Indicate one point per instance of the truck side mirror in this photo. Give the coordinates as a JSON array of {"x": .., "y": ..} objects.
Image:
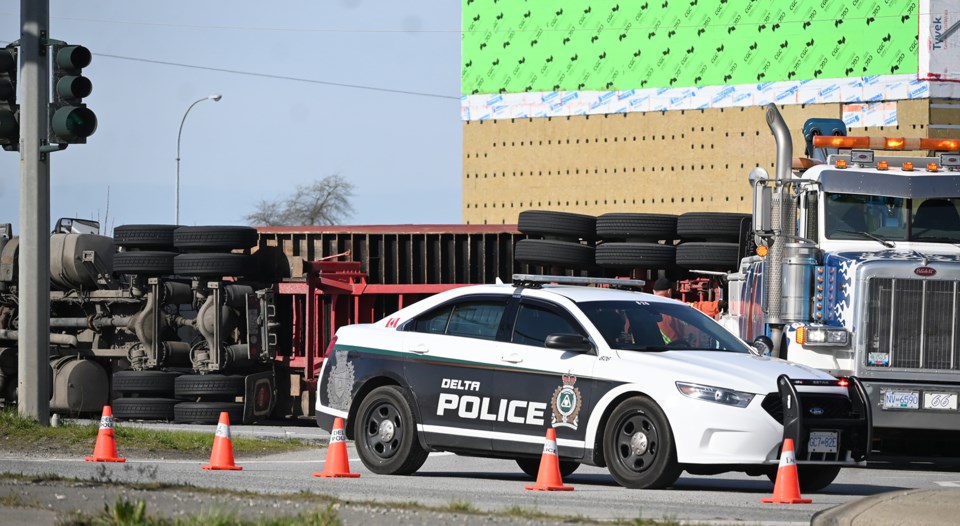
[
  {"x": 762, "y": 196},
  {"x": 762, "y": 345}
]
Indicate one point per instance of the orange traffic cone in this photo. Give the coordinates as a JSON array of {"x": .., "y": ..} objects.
[
  {"x": 337, "y": 464},
  {"x": 548, "y": 478},
  {"x": 786, "y": 490},
  {"x": 222, "y": 455},
  {"x": 106, "y": 448}
]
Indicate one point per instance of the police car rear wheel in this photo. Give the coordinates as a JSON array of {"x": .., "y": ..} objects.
[
  {"x": 386, "y": 433},
  {"x": 638, "y": 446},
  {"x": 531, "y": 466}
]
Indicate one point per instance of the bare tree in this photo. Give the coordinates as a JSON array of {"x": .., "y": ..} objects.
[{"x": 324, "y": 202}]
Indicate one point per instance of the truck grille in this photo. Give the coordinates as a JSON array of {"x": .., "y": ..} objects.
[
  {"x": 814, "y": 406},
  {"x": 912, "y": 323}
]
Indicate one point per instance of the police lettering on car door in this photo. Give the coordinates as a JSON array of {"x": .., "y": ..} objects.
[{"x": 474, "y": 407}]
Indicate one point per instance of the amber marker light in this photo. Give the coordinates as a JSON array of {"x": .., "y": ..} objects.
[
  {"x": 907, "y": 166},
  {"x": 841, "y": 163},
  {"x": 882, "y": 165},
  {"x": 762, "y": 251},
  {"x": 932, "y": 167},
  {"x": 801, "y": 335}
]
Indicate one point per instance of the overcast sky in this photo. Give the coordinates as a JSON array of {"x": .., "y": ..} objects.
[{"x": 368, "y": 89}]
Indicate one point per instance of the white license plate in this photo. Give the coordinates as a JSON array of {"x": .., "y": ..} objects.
[
  {"x": 822, "y": 442},
  {"x": 940, "y": 401},
  {"x": 901, "y": 399}
]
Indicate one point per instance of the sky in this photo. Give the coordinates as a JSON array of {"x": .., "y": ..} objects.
[{"x": 368, "y": 89}]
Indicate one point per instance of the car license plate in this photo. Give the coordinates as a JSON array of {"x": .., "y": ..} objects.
[
  {"x": 940, "y": 401},
  {"x": 901, "y": 400},
  {"x": 822, "y": 442}
]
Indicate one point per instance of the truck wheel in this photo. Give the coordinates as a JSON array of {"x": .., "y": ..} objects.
[
  {"x": 386, "y": 433},
  {"x": 207, "y": 412},
  {"x": 637, "y": 227},
  {"x": 146, "y": 263},
  {"x": 212, "y": 265},
  {"x": 144, "y": 408},
  {"x": 549, "y": 252},
  {"x": 531, "y": 466},
  {"x": 708, "y": 256},
  {"x": 157, "y": 383},
  {"x": 215, "y": 238},
  {"x": 632, "y": 255},
  {"x": 192, "y": 386},
  {"x": 812, "y": 478},
  {"x": 711, "y": 226},
  {"x": 559, "y": 224},
  {"x": 156, "y": 237},
  {"x": 638, "y": 446}
]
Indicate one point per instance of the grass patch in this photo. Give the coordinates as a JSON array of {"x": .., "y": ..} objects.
[{"x": 134, "y": 513}]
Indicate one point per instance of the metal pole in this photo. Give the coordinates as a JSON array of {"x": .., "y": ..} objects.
[
  {"x": 33, "y": 359},
  {"x": 215, "y": 97}
]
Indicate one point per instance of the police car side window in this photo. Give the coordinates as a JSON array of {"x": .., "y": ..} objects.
[
  {"x": 434, "y": 322},
  {"x": 535, "y": 323},
  {"x": 476, "y": 319}
]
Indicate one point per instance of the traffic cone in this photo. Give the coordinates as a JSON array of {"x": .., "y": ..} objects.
[
  {"x": 106, "y": 448},
  {"x": 548, "y": 478},
  {"x": 337, "y": 465},
  {"x": 786, "y": 490},
  {"x": 222, "y": 455}
]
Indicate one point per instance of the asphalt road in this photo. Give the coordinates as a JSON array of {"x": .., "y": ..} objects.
[{"x": 487, "y": 485}]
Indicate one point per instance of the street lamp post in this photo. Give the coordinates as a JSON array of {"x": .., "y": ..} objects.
[{"x": 215, "y": 97}]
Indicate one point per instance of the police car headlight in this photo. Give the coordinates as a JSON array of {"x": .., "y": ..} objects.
[{"x": 715, "y": 394}]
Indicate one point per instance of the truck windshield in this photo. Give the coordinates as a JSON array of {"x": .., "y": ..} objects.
[
  {"x": 658, "y": 326},
  {"x": 884, "y": 219}
]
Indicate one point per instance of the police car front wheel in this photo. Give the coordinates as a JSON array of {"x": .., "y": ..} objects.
[
  {"x": 638, "y": 446},
  {"x": 386, "y": 433}
]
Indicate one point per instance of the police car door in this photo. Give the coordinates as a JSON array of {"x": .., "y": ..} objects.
[
  {"x": 544, "y": 387},
  {"x": 449, "y": 353}
]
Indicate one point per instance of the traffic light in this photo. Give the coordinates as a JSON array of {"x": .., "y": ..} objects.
[
  {"x": 71, "y": 122},
  {"x": 9, "y": 110}
]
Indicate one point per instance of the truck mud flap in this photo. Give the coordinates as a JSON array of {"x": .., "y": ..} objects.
[
  {"x": 260, "y": 396},
  {"x": 852, "y": 430}
]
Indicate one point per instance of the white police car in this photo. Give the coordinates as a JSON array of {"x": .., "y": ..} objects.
[{"x": 484, "y": 370}]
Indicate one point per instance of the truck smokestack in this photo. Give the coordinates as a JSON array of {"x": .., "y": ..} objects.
[{"x": 774, "y": 268}]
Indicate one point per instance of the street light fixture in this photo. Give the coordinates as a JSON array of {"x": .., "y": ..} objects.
[{"x": 215, "y": 97}]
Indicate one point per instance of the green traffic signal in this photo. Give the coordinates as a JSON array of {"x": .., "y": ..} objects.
[{"x": 73, "y": 123}]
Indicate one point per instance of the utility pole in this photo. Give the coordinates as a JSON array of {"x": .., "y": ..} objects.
[{"x": 33, "y": 359}]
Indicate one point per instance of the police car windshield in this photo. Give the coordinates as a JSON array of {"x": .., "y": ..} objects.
[{"x": 658, "y": 326}]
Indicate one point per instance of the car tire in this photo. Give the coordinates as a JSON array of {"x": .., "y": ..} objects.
[
  {"x": 812, "y": 478},
  {"x": 144, "y": 408},
  {"x": 708, "y": 256},
  {"x": 638, "y": 421},
  {"x": 531, "y": 466},
  {"x": 154, "y": 237},
  {"x": 633, "y": 255},
  {"x": 637, "y": 227},
  {"x": 144, "y": 262},
  {"x": 385, "y": 433},
  {"x": 194, "y": 386},
  {"x": 212, "y": 265},
  {"x": 207, "y": 412},
  {"x": 156, "y": 383},
  {"x": 564, "y": 225},
  {"x": 214, "y": 238},
  {"x": 711, "y": 226},
  {"x": 554, "y": 253}
]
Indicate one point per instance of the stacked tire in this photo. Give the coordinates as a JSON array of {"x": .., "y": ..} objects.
[
  {"x": 556, "y": 239},
  {"x": 144, "y": 395},
  {"x": 636, "y": 241},
  {"x": 204, "y": 396},
  {"x": 711, "y": 240}
]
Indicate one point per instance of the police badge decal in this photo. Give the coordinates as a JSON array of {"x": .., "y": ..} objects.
[
  {"x": 340, "y": 383},
  {"x": 566, "y": 403}
]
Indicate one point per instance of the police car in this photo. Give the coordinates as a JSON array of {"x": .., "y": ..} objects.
[{"x": 484, "y": 371}]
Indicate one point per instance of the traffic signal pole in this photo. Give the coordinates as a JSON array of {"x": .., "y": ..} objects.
[{"x": 33, "y": 357}]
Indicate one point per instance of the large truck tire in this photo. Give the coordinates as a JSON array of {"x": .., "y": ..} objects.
[
  {"x": 144, "y": 408},
  {"x": 554, "y": 253},
  {"x": 207, "y": 412},
  {"x": 634, "y": 255},
  {"x": 156, "y": 383},
  {"x": 711, "y": 226},
  {"x": 155, "y": 237},
  {"x": 558, "y": 224},
  {"x": 193, "y": 386},
  {"x": 708, "y": 256},
  {"x": 213, "y": 265},
  {"x": 637, "y": 227},
  {"x": 144, "y": 262},
  {"x": 215, "y": 238}
]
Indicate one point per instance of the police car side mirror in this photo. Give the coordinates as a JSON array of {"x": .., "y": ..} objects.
[{"x": 568, "y": 342}]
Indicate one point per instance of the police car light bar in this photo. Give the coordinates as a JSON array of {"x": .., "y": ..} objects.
[{"x": 522, "y": 280}]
